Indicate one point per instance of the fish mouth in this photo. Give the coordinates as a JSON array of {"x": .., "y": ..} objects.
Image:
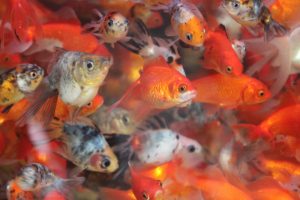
[{"x": 185, "y": 99}]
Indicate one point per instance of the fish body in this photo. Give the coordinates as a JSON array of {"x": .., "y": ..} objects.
[
  {"x": 16, "y": 83},
  {"x": 253, "y": 13},
  {"x": 109, "y": 28},
  {"x": 159, "y": 87},
  {"x": 219, "y": 54},
  {"x": 188, "y": 23},
  {"x": 86, "y": 147},
  {"x": 228, "y": 91}
]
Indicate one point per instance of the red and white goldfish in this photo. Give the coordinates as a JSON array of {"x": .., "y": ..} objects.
[
  {"x": 219, "y": 54},
  {"x": 159, "y": 87},
  {"x": 229, "y": 91}
]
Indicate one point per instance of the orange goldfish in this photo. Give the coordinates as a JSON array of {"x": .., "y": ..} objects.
[
  {"x": 152, "y": 19},
  {"x": 229, "y": 91},
  {"x": 159, "y": 87},
  {"x": 263, "y": 188},
  {"x": 219, "y": 54},
  {"x": 9, "y": 60},
  {"x": 67, "y": 36},
  {"x": 286, "y": 12},
  {"x": 14, "y": 15},
  {"x": 144, "y": 187},
  {"x": 285, "y": 121}
]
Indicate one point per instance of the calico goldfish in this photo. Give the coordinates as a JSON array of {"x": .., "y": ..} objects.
[
  {"x": 254, "y": 13},
  {"x": 144, "y": 188},
  {"x": 219, "y": 54},
  {"x": 84, "y": 145},
  {"x": 118, "y": 121},
  {"x": 284, "y": 122},
  {"x": 18, "y": 82},
  {"x": 159, "y": 87},
  {"x": 75, "y": 77},
  {"x": 35, "y": 176},
  {"x": 229, "y": 91},
  {"x": 109, "y": 28}
]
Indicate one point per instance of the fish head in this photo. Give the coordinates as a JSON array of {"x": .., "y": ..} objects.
[
  {"x": 181, "y": 90},
  {"x": 105, "y": 161},
  {"x": 116, "y": 25},
  {"x": 255, "y": 92},
  {"x": 231, "y": 64},
  {"x": 91, "y": 70},
  {"x": 145, "y": 188},
  {"x": 192, "y": 32},
  {"x": 122, "y": 121},
  {"x": 29, "y": 77},
  {"x": 244, "y": 11}
]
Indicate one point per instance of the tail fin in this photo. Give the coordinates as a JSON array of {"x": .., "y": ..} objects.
[{"x": 66, "y": 185}]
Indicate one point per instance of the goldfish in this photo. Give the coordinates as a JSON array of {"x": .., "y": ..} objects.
[
  {"x": 283, "y": 122},
  {"x": 229, "y": 91},
  {"x": 109, "y": 28},
  {"x": 159, "y": 87},
  {"x": 188, "y": 23},
  {"x": 144, "y": 188},
  {"x": 9, "y": 60},
  {"x": 19, "y": 82},
  {"x": 34, "y": 177},
  {"x": 84, "y": 145},
  {"x": 75, "y": 77},
  {"x": 149, "y": 145},
  {"x": 118, "y": 121},
  {"x": 262, "y": 188},
  {"x": 219, "y": 54},
  {"x": 286, "y": 12},
  {"x": 254, "y": 13},
  {"x": 14, "y": 192},
  {"x": 152, "y": 19},
  {"x": 14, "y": 15}
]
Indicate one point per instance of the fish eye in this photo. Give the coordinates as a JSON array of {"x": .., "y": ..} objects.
[
  {"x": 146, "y": 196},
  {"x": 160, "y": 184},
  {"x": 229, "y": 69},
  {"x": 235, "y": 4},
  {"x": 182, "y": 88},
  {"x": 89, "y": 104},
  {"x": 170, "y": 59},
  {"x": 189, "y": 36},
  {"x": 105, "y": 163},
  {"x": 33, "y": 75},
  {"x": 90, "y": 65},
  {"x": 125, "y": 119},
  {"x": 261, "y": 93},
  {"x": 110, "y": 22},
  {"x": 191, "y": 148}
]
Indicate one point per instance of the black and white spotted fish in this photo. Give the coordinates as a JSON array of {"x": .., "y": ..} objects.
[
  {"x": 84, "y": 145},
  {"x": 110, "y": 28},
  {"x": 16, "y": 83}
]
